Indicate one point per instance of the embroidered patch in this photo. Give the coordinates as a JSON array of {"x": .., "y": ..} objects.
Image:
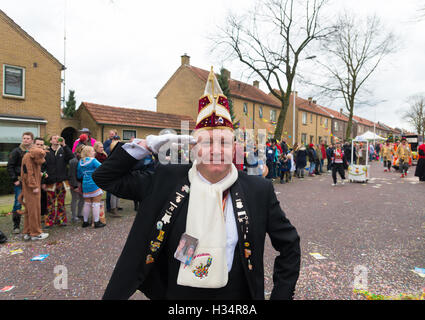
[
  {"x": 201, "y": 270},
  {"x": 159, "y": 225}
]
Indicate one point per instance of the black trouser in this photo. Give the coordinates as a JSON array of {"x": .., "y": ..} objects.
[
  {"x": 43, "y": 202},
  {"x": 285, "y": 175},
  {"x": 403, "y": 167},
  {"x": 340, "y": 168},
  {"x": 329, "y": 164},
  {"x": 16, "y": 218},
  {"x": 387, "y": 164}
]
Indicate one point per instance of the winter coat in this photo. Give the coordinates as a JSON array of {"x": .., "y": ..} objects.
[
  {"x": 56, "y": 164},
  {"x": 77, "y": 142},
  {"x": 85, "y": 169},
  {"x": 15, "y": 161},
  {"x": 301, "y": 157}
]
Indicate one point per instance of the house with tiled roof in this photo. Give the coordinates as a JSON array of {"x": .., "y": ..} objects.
[
  {"x": 129, "y": 122},
  {"x": 30, "y": 82},
  {"x": 313, "y": 123},
  {"x": 252, "y": 107},
  {"x": 339, "y": 123}
]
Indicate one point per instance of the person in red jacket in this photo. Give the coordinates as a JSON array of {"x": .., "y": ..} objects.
[{"x": 420, "y": 167}]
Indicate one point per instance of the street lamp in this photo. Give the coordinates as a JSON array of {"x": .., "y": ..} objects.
[{"x": 293, "y": 106}]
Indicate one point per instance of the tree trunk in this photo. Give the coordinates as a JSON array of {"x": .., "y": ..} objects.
[
  {"x": 282, "y": 117},
  {"x": 350, "y": 120}
]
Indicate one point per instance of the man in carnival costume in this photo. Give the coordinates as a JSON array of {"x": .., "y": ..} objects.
[{"x": 226, "y": 211}]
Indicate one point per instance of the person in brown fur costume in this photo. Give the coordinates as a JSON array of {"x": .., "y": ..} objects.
[{"x": 30, "y": 197}]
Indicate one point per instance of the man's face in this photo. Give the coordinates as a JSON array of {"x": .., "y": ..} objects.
[
  {"x": 27, "y": 140},
  {"x": 54, "y": 140},
  {"x": 214, "y": 150},
  {"x": 111, "y": 134},
  {"x": 39, "y": 144}
]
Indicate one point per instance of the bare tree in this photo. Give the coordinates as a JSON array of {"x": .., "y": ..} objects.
[
  {"x": 353, "y": 54},
  {"x": 270, "y": 39},
  {"x": 415, "y": 115}
]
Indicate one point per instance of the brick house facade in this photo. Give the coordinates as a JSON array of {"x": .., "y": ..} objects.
[{"x": 31, "y": 87}]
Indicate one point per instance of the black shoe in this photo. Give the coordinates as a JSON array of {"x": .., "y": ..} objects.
[
  {"x": 120, "y": 209},
  {"x": 85, "y": 224},
  {"x": 99, "y": 224}
]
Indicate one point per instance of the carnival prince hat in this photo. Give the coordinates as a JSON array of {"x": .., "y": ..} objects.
[{"x": 213, "y": 108}]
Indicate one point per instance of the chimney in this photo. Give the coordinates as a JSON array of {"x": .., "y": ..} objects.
[
  {"x": 309, "y": 100},
  {"x": 226, "y": 73},
  {"x": 340, "y": 110},
  {"x": 314, "y": 101},
  {"x": 256, "y": 84},
  {"x": 296, "y": 93},
  {"x": 185, "y": 60}
]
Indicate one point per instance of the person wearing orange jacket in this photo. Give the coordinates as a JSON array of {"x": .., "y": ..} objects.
[
  {"x": 387, "y": 154},
  {"x": 404, "y": 154}
]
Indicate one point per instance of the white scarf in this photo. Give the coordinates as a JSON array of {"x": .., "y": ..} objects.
[{"x": 205, "y": 221}]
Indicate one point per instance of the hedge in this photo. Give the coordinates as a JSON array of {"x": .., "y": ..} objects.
[{"x": 6, "y": 185}]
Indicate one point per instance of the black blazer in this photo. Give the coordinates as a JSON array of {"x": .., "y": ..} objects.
[{"x": 154, "y": 189}]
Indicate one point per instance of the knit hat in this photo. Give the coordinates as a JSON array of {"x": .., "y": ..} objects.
[
  {"x": 83, "y": 137},
  {"x": 213, "y": 108}
]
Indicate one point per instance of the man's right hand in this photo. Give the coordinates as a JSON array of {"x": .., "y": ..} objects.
[{"x": 154, "y": 143}]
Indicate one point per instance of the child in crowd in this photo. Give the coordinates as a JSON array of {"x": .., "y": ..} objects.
[
  {"x": 91, "y": 192},
  {"x": 285, "y": 168}
]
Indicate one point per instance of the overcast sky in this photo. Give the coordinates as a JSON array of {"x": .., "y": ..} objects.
[{"x": 121, "y": 52}]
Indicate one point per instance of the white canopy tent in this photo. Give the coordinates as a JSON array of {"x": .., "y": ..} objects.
[{"x": 368, "y": 135}]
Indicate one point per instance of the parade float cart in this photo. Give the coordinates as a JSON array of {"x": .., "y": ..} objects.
[{"x": 359, "y": 172}]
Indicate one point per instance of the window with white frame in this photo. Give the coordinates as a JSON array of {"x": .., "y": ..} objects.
[
  {"x": 326, "y": 122},
  {"x": 336, "y": 126},
  {"x": 260, "y": 112},
  {"x": 13, "y": 81},
  {"x": 11, "y": 136},
  {"x": 128, "y": 134},
  {"x": 245, "y": 108},
  {"x": 273, "y": 115},
  {"x": 303, "y": 138},
  {"x": 304, "y": 119}
]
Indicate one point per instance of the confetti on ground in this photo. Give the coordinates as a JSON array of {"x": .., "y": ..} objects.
[
  {"x": 40, "y": 257},
  {"x": 419, "y": 271},
  {"x": 7, "y": 288},
  {"x": 17, "y": 251},
  {"x": 401, "y": 296},
  {"x": 317, "y": 255}
]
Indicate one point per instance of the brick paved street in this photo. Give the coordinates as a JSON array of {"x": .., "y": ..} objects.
[{"x": 379, "y": 225}]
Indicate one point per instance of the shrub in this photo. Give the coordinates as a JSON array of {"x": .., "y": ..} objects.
[{"x": 6, "y": 185}]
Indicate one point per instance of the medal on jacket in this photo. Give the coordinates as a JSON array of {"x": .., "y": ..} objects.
[{"x": 162, "y": 226}]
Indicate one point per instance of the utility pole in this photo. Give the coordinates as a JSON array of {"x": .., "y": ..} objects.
[{"x": 63, "y": 99}]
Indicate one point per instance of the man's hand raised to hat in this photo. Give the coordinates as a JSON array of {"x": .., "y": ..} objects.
[{"x": 154, "y": 143}]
